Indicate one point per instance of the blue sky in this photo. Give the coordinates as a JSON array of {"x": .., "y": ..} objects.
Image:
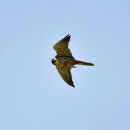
[{"x": 32, "y": 94}]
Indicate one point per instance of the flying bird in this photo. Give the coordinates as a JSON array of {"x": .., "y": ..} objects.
[{"x": 64, "y": 60}]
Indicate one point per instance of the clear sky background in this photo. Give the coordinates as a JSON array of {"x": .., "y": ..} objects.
[{"x": 32, "y": 94}]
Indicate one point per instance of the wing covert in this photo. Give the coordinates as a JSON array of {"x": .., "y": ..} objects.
[
  {"x": 66, "y": 75},
  {"x": 61, "y": 47}
]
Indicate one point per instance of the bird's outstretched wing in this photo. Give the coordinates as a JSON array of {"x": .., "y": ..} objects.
[
  {"x": 61, "y": 47},
  {"x": 66, "y": 75}
]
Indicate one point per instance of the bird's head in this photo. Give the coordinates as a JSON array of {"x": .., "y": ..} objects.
[{"x": 53, "y": 61}]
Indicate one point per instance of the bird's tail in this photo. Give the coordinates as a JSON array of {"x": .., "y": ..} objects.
[{"x": 83, "y": 63}]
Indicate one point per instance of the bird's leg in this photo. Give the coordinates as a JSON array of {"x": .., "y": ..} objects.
[{"x": 74, "y": 66}]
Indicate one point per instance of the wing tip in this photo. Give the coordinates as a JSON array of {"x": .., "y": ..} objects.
[
  {"x": 72, "y": 85},
  {"x": 68, "y": 36}
]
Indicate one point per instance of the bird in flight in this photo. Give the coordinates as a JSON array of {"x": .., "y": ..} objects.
[{"x": 64, "y": 60}]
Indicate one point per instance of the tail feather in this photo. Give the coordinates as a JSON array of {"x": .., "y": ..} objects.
[{"x": 84, "y": 63}]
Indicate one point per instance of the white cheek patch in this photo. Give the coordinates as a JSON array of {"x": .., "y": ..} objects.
[{"x": 54, "y": 59}]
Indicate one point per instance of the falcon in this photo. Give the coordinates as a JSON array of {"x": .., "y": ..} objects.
[{"x": 64, "y": 60}]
